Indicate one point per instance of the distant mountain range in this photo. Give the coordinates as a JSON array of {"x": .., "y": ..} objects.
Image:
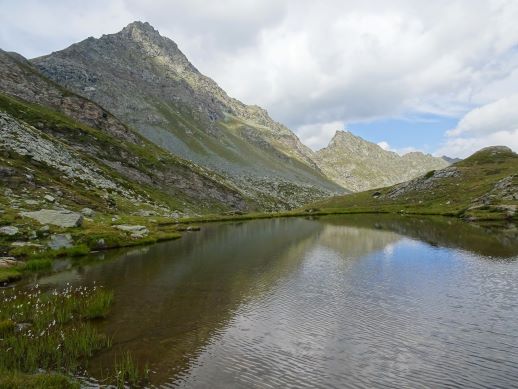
[
  {"x": 483, "y": 186},
  {"x": 133, "y": 105},
  {"x": 359, "y": 165}
]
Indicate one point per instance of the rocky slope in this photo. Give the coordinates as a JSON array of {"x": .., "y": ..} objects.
[
  {"x": 483, "y": 186},
  {"x": 54, "y": 138},
  {"x": 358, "y": 165},
  {"x": 145, "y": 80}
]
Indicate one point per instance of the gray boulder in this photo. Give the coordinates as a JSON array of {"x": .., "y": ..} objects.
[
  {"x": 58, "y": 241},
  {"x": 60, "y": 218},
  {"x": 7, "y": 262},
  {"x": 88, "y": 212},
  {"x": 49, "y": 198},
  {"x": 136, "y": 231},
  {"x": 8, "y": 230}
]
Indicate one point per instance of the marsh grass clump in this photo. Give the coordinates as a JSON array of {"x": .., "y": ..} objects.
[
  {"x": 50, "y": 330},
  {"x": 127, "y": 371},
  {"x": 37, "y": 265}
]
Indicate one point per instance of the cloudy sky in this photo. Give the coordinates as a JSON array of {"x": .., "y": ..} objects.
[{"x": 438, "y": 76}]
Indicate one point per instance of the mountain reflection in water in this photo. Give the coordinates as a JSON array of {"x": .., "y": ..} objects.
[{"x": 339, "y": 301}]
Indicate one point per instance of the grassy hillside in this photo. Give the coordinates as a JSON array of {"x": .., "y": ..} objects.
[{"x": 483, "y": 186}]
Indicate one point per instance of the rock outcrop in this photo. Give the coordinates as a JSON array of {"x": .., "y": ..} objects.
[{"x": 60, "y": 218}]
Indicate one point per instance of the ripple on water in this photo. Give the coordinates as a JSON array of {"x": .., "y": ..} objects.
[
  {"x": 292, "y": 303},
  {"x": 373, "y": 322}
]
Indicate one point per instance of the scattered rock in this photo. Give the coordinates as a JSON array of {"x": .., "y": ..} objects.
[
  {"x": 7, "y": 262},
  {"x": 45, "y": 228},
  {"x": 26, "y": 244},
  {"x": 510, "y": 210},
  {"x": 8, "y": 230},
  {"x": 88, "y": 212},
  {"x": 145, "y": 213},
  {"x": 376, "y": 194},
  {"x": 7, "y": 171},
  {"x": 136, "y": 231},
  {"x": 32, "y": 202},
  {"x": 59, "y": 241},
  {"x": 61, "y": 218},
  {"x": 192, "y": 228},
  {"x": 49, "y": 198}
]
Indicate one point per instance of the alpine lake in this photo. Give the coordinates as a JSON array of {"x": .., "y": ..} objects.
[{"x": 350, "y": 301}]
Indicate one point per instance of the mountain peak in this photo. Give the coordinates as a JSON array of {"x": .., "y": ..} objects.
[
  {"x": 358, "y": 164},
  {"x": 140, "y": 26},
  {"x": 140, "y": 31},
  {"x": 345, "y": 137}
]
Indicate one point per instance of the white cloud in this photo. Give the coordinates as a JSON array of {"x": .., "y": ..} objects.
[
  {"x": 385, "y": 146},
  {"x": 499, "y": 116},
  {"x": 312, "y": 63},
  {"x": 317, "y": 136},
  {"x": 402, "y": 151},
  {"x": 492, "y": 124},
  {"x": 463, "y": 147}
]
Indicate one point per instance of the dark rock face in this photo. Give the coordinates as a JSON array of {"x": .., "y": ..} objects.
[{"x": 20, "y": 79}]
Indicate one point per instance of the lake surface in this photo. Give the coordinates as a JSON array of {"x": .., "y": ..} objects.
[{"x": 336, "y": 302}]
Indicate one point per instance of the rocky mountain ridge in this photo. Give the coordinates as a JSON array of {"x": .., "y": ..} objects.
[
  {"x": 81, "y": 147},
  {"x": 148, "y": 83},
  {"x": 358, "y": 165},
  {"x": 138, "y": 79}
]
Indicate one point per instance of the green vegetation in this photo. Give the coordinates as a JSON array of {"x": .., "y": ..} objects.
[
  {"x": 37, "y": 265},
  {"x": 17, "y": 380},
  {"x": 49, "y": 331},
  {"x": 126, "y": 371},
  {"x": 9, "y": 275},
  {"x": 46, "y": 336},
  {"x": 481, "y": 187}
]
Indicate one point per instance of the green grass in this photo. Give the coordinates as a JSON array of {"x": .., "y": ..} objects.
[
  {"x": 97, "y": 305},
  {"x": 53, "y": 332},
  {"x": 47, "y": 336},
  {"x": 17, "y": 380},
  {"x": 37, "y": 265},
  {"x": 127, "y": 372},
  {"x": 9, "y": 275}
]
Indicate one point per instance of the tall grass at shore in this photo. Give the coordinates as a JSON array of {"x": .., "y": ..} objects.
[{"x": 50, "y": 330}]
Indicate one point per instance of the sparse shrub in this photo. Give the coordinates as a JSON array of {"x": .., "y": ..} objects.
[{"x": 429, "y": 174}]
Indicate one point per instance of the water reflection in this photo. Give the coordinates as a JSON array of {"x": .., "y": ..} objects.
[{"x": 359, "y": 301}]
